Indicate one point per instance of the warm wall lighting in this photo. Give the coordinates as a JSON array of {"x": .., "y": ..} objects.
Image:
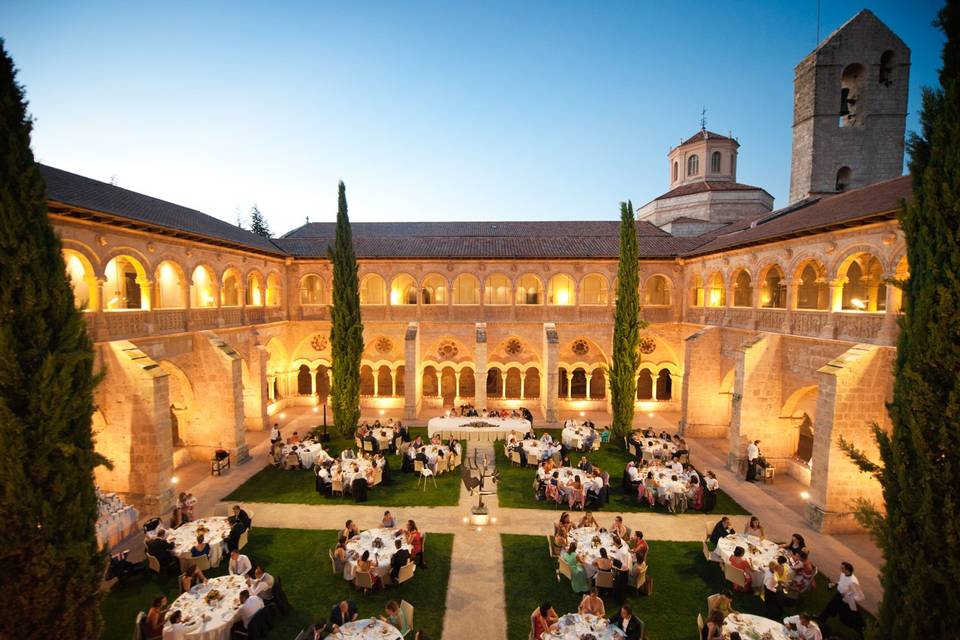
[
  {"x": 805, "y": 495},
  {"x": 858, "y": 304},
  {"x": 381, "y": 412},
  {"x": 174, "y": 480},
  {"x": 583, "y": 413}
]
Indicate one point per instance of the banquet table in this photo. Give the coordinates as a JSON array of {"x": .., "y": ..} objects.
[
  {"x": 537, "y": 450},
  {"x": 185, "y": 536},
  {"x": 657, "y": 447},
  {"x": 346, "y": 465},
  {"x": 759, "y": 553},
  {"x": 209, "y": 621},
  {"x": 369, "y": 629},
  {"x": 456, "y": 427},
  {"x": 574, "y": 626},
  {"x": 384, "y": 436},
  {"x": 584, "y": 538},
  {"x": 753, "y": 627},
  {"x": 116, "y": 519},
  {"x": 381, "y": 556},
  {"x": 431, "y": 451},
  {"x": 309, "y": 453},
  {"x": 573, "y": 437}
]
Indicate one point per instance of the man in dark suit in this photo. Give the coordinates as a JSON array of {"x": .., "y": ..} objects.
[
  {"x": 343, "y": 612},
  {"x": 399, "y": 558},
  {"x": 632, "y": 628},
  {"x": 721, "y": 530},
  {"x": 161, "y": 549},
  {"x": 239, "y": 522}
]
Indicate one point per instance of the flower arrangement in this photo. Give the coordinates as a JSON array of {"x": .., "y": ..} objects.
[
  {"x": 212, "y": 597},
  {"x": 479, "y": 424},
  {"x": 595, "y": 542},
  {"x": 377, "y": 543}
]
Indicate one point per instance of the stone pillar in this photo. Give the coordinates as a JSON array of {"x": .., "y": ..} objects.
[
  {"x": 523, "y": 383},
  {"x": 755, "y": 301},
  {"x": 836, "y": 305},
  {"x": 393, "y": 382},
  {"x": 185, "y": 293},
  {"x": 456, "y": 375},
  {"x": 590, "y": 377},
  {"x": 757, "y": 400},
  {"x": 503, "y": 385},
  {"x": 313, "y": 382},
  {"x": 569, "y": 378},
  {"x": 705, "y": 407},
  {"x": 852, "y": 391},
  {"x": 146, "y": 293},
  {"x": 376, "y": 384},
  {"x": 102, "y": 331},
  {"x": 412, "y": 382},
  {"x": 480, "y": 373},
  {"x": 136, "y": 436},
  {"x": 793, "y": 292},
  {"x": 216, "y": 373},
  {"x": 888, "y": 327},
  {"x": 549, "y": 386}
]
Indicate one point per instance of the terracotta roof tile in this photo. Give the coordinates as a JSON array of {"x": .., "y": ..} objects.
[
  {"x": 703, "y": 134},
  {"x": 707, "y": 185}
]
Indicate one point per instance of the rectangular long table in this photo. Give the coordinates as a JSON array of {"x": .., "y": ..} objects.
[{"x": 455, "y": 427}]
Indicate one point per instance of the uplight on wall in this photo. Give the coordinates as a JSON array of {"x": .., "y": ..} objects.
[{"x": 857, "y": 303}]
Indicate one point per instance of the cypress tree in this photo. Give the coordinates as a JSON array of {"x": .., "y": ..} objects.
[
  {"x": 346, "y": 330},
  {"x": 626, "y": 327},
  {"x": 258, "y": 223},
  {"x": 48, "y": 545},
  {"x": 919, "y": 464}
]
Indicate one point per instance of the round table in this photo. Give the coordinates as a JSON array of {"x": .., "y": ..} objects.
[
  {"x": 364, "y": 542},
  {"x": 370, "y": 629},
  {"x": 658, "y": 447},
  {"x": 431, "y": 451},
  {"x": 346, "y": 465},
  {"x": 584, "y": 539},
  {"x": 573, "y": 437},
  {"x": 536, "y": 450},
  {"x": 185, "y": 536},
  {"x": 209, "y": 621},
  {"x": 574, "y": 626},
  {"x": 759, "y": 553},
  {"x": 308, "y": 452},
  {"x": 750, "y": 627},
  {"x": 384, "y": 436}
]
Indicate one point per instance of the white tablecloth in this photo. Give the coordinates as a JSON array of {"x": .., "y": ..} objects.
[
  {"x": 431, "y": 451},
  {"x": 209, "y": 621},
  {"x": 751, "y": 627},
  {"x": 657, "y": 447},
  {"x": 309, "y": 453},
  {"x": 185, "y": 536},
  {"x": 573, "y": 437},
  {"x": 574, "y": 626},
  {"x": 537, "y": 450},
  {"x": 346, "y": 464},
  {"x": 584, "y": 538},
  {"x": 384, "y": 436},
  {"x": 364, "y": 542},
  {"x": 502, "y": 427},
  {"x": 114, "y": 527},
  {"x": 370, "y": 629},
  {"x": 759, "y": 553}
]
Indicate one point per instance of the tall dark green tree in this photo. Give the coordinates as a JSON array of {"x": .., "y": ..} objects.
[
  {"x": 346, "y": 330},
  {"x": 47, "y": 500},
  {"x": 258, "y": 223},
  {"x": 919, "y": 466},
  {"x": 626, "y": 327}
]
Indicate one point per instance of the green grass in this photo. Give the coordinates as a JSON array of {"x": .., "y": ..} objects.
[
  {"x": 515, "y": 487},
  {"x": 297, "y": 486},
  {"x": 682, "y": 580},
  {"x": 299, "y": 557}
]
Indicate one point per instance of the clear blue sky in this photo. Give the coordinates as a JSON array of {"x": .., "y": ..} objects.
[{"x": 471, "y": 111}]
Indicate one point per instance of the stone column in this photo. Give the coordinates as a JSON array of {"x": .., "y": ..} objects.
[
  {"x": 503, "y": 385},
  {"x": 393, "y": 382},
  {"x": 550, "y": 379},
  {"x": 523, "y": 383},
  {"x": 185, "y": 292},
  {"x": 146, "y": 294},
  {"x": 589, "y": 377},
  {"x": 99, "y": 307},
  {"x": 757, "y": 401},
  {"x": 793, "y": 291},
  {"x": 836, "y": 305},
  {"x": 456, "y": 375},
  {"x": 568, "y": 376},
  {"x": 756, "y": 299},
  {"x": 480, "y": 372},
  {"x": 376, "y": 383},
  {"x": 313, "y": 382},
  {"x": 888, "y": 327},
  {"x": 412, "y": 382}
]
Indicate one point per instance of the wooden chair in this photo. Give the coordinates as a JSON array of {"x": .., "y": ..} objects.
[
  {"x": 407, "y": 609},
  {"x": 368, "y": 446},
  {"x": 292, "y": 461},
  {"x": 362, "y": 580},
  {"x": 734, "y": 575},
  {"x": 153, "y": 564},
  {"x": 707, "y": 554},
  {"x": 140, "y": 622},
  {"x": 603, "y": 580},
  {"x": 640, "y": 579},
  {"x": 333, "y": 562},
  {"x": 768, "y": 475},
  {"x": 202, "y": 563},
  {"x": 552, "y": 548},
  {"x": 563, "y": 569},
  {"x": 515, "y": 457},
  {"x": 377, "y": 476},
  {"x": 699, "y": 625},
  {"x": 244, "y": 539},
  {"x": 417, "y": 466},
  {"x": 406, "y": 572},
  {"x": 336, "y": 487}
]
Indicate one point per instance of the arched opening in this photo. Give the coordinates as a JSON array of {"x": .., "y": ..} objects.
[
  {"x": 401, "y": 371},
  {"x": 716, "y": 294},
  {"x": 496, "y": 289},
  {"x": 494, "y": 383},
  {"x": 253, "y": 296},
  {"x": 805, "y": 439},
  {"x": 403, "y": 290},
  {"x": 182, "y": 419},
  {"x": 742, "y": 290},
  {"x": 366, "y": 381},
  {"x": 230, "y": 289},
  {"x": 656, "y": 291},
  {"x": 578, "y": 383},
  {"x": 886, "y": 68},
  {"x": 304, "y": 384},
  {"x": 850, "y": 94},
  {"x": 311, "y": 289},
  {"x": 560, "y": 290},
  {"x": 82, "y": 279},
  {"x": 812, "y": 290},
  {"x": 466, "y": 289},
  {"x": 593, "y": 290},
  {"x": 433, "y": 290},
  {"x": 513, "y": 382},
  {"x": 844, "y": 176},
  {"x": 773, "y": 293},
  {"x": 531, "y": 383},
  {"x": 529, "y": 289},
  {"x": 664, "y": 385},
  {"x": 468, "y": 383},
  {"x": 676, "y": 170},
  {"x": 696, "y": 292},
  {"x": 373, "y": 289},
  {"x": 273, "y": 290},
  {"x": 429, "y": 382},
  {"x": 126, "y": 285},
  {"x": 598, "y": 384},
  {"x": 863, "y": 288},
  {"x": 564, "y": 383},
  {"x": 203, "y": 290},
  {"x": 448, "y": 386},
  {"x": 384, "y": 382},
  {"x": 715, "y": 162},
  {"x": 169, "y": 288},
  {"x": 645, "y": 385},
  {"x": 323, "y": 383},
  {"x": 693, "y": 165}
]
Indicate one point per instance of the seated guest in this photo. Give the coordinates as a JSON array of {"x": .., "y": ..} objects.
[
  {"x": 588, "y": 520},
  {"x": 339, "y": 556},
  {"x": 175, "y": 630},
  {"x": 713, "y": 630},
  {"x": 722, "y": 602},
  {"x": 542, "y": 618},
  {"x": 772, "y": 596},
  {"x": 249, "y": 605},
  {"x": 160, "y": 548},
  {"x": 738, "y": 561},
  {"x": 191, "y": 578},
  {"x": 803, "y": 573},
  {"x": 603, "y": 563},
  {"x": 803, "y": 627},
  {"x": 591, "y": 604},
  {"x": 316, "y": 631},
  {"x": 261, "y": 584},
  {"x": 399, "y": 558},
  {"x": 625, "y": 621},
  {"x": 720, "y": 530},
  {"x": 239, "y": 564},
  {"x": 415, "y": 540},
  {"x": 240, "y": 516},
  {"x": 754, "y": 528},
  {"x": 350, "y": 530},
  {"x": 155, "y": 616},
  {"x": 388, "y": 521},
  {"x": 584, "y": 465},
  {"x": 294, "y": 439},
  {"x": 396, "y": 617},
  {"x": 618, "y": 527},
  {"x": 639, "y": 546},
  {"x": 796, "y": 544},
  {"x": 200, "y": 548},
  {"x": 343, "y": 612}
]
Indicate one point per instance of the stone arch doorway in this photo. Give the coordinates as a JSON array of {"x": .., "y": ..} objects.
[
  {"x": 304, "y": 384},
  {"x": 448, "y": 386},
  {"x": 323, "y": 383}
]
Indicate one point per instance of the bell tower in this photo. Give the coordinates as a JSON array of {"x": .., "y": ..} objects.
[{"x": 849, "y": 109}]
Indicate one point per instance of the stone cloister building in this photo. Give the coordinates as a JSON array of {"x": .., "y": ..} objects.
[{"x": 771, "y": 325}]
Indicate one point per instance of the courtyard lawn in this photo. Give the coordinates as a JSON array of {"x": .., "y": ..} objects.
[
  {"x": 299, "y": 486},
  {"x": 682, "y": 580},
  {"x": 515, "y": 489},
  {"x": 300, "y": 558}
]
